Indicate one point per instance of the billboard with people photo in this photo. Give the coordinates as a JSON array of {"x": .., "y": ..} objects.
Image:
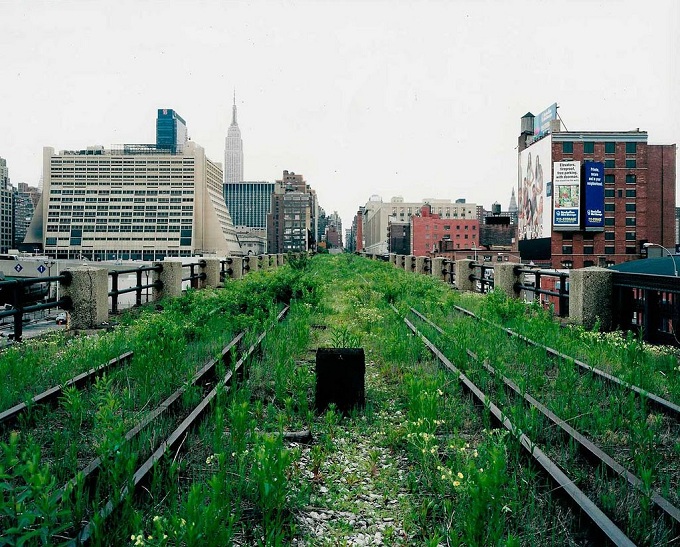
[{"x": 535, "y": 190}]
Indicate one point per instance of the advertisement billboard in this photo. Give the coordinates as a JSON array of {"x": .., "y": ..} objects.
[
  {"x": 567, "y": 201},
  {"x": 543, "y": 120},
  {"x": 534, "y": 197},
  {"x": 593, "y": 178}
]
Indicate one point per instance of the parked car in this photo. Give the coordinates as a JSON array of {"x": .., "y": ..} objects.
[{"x": 61, "y": 318}]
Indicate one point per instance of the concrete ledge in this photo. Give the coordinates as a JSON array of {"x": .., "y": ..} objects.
[
  {"x": 463, "y": 272},
  {"x": 89, "y": 292},
  {"x": 212, "y": 269},
  {"x": 504, "y": 279},
  {"x": 170, "y": 277},
  {"x": 590, "y": 297}
]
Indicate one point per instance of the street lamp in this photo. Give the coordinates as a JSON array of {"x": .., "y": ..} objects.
[{"x": 675, "y": 267}]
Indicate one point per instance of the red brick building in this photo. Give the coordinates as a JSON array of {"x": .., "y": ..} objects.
[
  {"x": 429, "y": 229},
  {"x": 639, "y": 203}
]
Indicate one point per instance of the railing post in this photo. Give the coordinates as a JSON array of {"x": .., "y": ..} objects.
[
  {"x": 17, "y": 303},
  {"x": 138, "y": 292},
  {"x": 264, "y": 262},
  {"x": 170, "y": 277},
  {"x": 463, "y": 272},
  {"x": 590, "y": 297},
  {"x": 236, "y": 267},
  {"x": 89, "y": 293},
  {"x": 254, "y": 263},
  {"x": 211, "y": 268},
  {"x": 505, "y": 279},
  {"x": 439, "y": 268},
  {"x": 421, "y": 263},
  {"x": 114, "y": 290}
]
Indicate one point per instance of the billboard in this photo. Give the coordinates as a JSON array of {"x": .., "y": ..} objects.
[
  {"x": 567, "y": 201},
  {"x": 543, "y": 120},
  {"x": 593, "y": 178},
  {"x": 535, "y": 191}
]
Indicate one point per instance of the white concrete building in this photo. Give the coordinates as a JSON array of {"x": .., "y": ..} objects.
[
  {"x": 134, "y": 202},
  {"x": 378, "y": 214}
]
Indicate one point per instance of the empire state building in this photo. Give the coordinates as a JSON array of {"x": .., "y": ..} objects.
[{"x": 233, "y": 151}]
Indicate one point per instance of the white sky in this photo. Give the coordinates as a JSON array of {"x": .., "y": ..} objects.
[{"x": 403, "y": 97}]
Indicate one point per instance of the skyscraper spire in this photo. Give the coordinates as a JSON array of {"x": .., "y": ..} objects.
[
  {"x": 233, "y": 115},
  {"x": 233, "y": 150}
]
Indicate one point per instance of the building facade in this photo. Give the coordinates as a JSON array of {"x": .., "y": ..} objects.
[
  {"x": 378, "y": 214},
  {"x": 137, "y": 202},
  {"x": 429, "y": 230},
  {"x": 291, "y": 223},
  {"x": 233, "y": 151},
  {"x": 639, "y": 197},
  {"x": 249, "y": 203},
  {"x": 6, "y": 209},
  {"x": 171, "y": 130},
  {"x": 26, "y": 201}
]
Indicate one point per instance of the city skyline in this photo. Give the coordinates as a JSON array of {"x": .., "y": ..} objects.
[{"x": 375, "y": 105}]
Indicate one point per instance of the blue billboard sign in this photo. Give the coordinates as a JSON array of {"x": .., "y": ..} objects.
[
  {"x": 593, "y": 180},
  {"x": 543, "y": 120}
]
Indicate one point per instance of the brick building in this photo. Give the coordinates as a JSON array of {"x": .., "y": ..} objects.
[
  {"x": 639, "y": 197},
  {"x": 429, "y": 229}
]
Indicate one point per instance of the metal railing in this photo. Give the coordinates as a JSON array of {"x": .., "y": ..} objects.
[
  {"x": 193, "y": 276},
  {"x": 561, "y": 293},
  {"x": 648, "y": 305},
  {"x": 138, "y": 288},
  {"x": 17, "y": 288},
  {"x": 484, "y": 279}
]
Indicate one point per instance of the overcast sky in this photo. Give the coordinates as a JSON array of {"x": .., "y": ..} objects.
[{"x": 412, "y": 98}]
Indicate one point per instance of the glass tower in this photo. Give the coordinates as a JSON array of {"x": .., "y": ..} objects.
[{"x": 171, "y": 130}]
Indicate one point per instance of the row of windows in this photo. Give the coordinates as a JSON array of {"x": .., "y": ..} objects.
[
  {"x": 609, "y": 249},
  {"x": 589, "y": 147},
  {"x": 448, "y": 227},
  {"x": 630, "y": 179},
  {"x": 611, "y": 207},
  {"x": 610, "y": 193}
]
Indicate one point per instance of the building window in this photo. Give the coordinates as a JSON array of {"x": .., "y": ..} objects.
[
  {"x": 631, "y": 179},
  {"x": 630, "y": 221},
  {"x": 631, "y": 164},
  {"x": 609, "y": 147},
  {"x": 630, "y": 207},
  {"x": 609, "y": 250},
  {"x": 631, "y": 147},
  {"x": 609, "y": 221},
  {"x": 588, "y": 147},
  {"x": 609, "y": 192},
  {"x": 619, "y": 193},
  {"x": 609, "y": 164},
  {"x": 588, "y": 250},
  {"x": 609, "y": 236},
  {"x": 609, "y": 207},
  {"x": 631, "y": 251},
  {"x": 568, "y": 147},
  {"x": 631, "y": 193},
  {"x": 630, "y": 236},
  {"x": 609, "y": 179},
  {"x": 566, "y": 249},
  {"x": 588, "y": 263}
]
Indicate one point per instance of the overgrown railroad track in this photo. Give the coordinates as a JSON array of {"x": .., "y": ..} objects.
[
  {"x": 572, "y": 451},
  {"x": 146, "y": 440}
]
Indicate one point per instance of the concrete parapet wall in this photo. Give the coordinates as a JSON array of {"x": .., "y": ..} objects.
[
  {"x": 212, "y": 270},
  {"x": 463, "y": 272},
  {"x": 504, "y": 279},
  {"x": 170, "y": 277},
  {"x": 236, "y": 267},
  {"x": 89, "y": 293},
  {"x": 409, "y": 263},
  {"x": 422, "y": 264},
  {"x": 590, "y": 297}
]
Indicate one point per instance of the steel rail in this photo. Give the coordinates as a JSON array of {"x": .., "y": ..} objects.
[
  {"x": 173, "y": 442},
  {"x": 589, "y": 449},
  {"x": 51, "y": 395},
  {"x": 575, "y": 494},
  {"x": 663, "y": 405}
]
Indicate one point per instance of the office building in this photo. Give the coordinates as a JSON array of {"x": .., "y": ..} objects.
[
  {"x": 135, "y": 201},
  {"x": 249, "y": 203},
  {"x": 292, "y": 221},
  {"x": 377, "y": 215},
  {"x": 6, "y": 209},
  {"x": 171, "y": 131},
  {"x": 26, "y": 200},
  {"x": 233, "y": 151}
]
